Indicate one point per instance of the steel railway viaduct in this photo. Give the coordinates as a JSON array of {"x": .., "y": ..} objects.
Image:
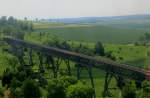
[{"x": 55, "y": 56}]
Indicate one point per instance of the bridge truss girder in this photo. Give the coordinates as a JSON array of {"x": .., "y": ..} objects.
[{"x": 54, "y": 57}]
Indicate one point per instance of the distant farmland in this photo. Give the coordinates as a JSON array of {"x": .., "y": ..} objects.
[{"x": 91, "y": 33}]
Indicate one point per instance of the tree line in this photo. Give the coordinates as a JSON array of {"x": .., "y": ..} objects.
[{"x": 9, "y": 26}]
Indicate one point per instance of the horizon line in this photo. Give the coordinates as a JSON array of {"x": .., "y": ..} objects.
[{"x": 40, "y": 18}]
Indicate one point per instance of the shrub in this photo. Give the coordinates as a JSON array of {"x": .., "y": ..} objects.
[
  {"x": 56, "y": 89},
  {"x": 15, "y": 83},
  {"x": 16, "y": 93},
  {"x": 68, "y": 87},
  {"x": 148, "y": 53},
  {"x": 67, "y": 81},
  {"x": 129, "y": 90},
  {"x": 120, "y": 58},
  {"x": 79, "y": 90},
  {"x": 108, "y": 54},
  {"x": 21, "y": 75},
  {"x": 146, "y": 89},
  {"x": 7, "y": 77},
  {"x": 99, "y": 49},
  {"x": 31, "y": 89}
]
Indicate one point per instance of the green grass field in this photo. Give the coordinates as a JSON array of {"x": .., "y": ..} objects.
[{"x": 91, "y": 33}]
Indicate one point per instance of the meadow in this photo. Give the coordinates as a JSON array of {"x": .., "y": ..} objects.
[{"x": 91, "y": 32}]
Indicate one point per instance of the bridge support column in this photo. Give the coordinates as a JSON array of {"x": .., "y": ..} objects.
[
  {"x": 30, "y": 57},
  {"x": 108, "y": 78},
  {"x": 78, "y": 71},
  {"x": 91, "y": 78},
  {"x": 20, "y": 55},
  {"x": 90, "y": 75},
  {"x": 54, "y": 68},
  {"x": 58, "y": 62},
  {"x": 41, "y": 67},
  {"x": 68, "y": 67}
]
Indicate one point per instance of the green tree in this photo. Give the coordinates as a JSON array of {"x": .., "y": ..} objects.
[
  {"x": 15, "y": 83},
  {"x": 67, "y": 81},
  {"x": 80, "y": 90},
  {"x": 7, "y": 77},
  {"x": 147, "y": 36},
  {"x": 129, "y": 90},
  {"x": 13, "y": 27},
  {"x": 11, "y": 20},
  {"x": 3, "y": 20},
  {"x": 146, "y": 89},
  {"x": 148, "y": 53},
  {"x": 31, "y": 89},
  {"x": 16, "y": 93},
  {"x": 15, "y": 89},
  {"x": 56, "y": 89},
  {"x": 65, "y": 45},
  {"x": 12, "y": 61},
  {"x": 99, "y": 49}
]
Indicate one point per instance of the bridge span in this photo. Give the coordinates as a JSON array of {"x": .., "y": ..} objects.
[{"x": 112, "y": 68}]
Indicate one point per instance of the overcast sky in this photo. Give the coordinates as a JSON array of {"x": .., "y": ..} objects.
[{"x": 72, "y": 8}]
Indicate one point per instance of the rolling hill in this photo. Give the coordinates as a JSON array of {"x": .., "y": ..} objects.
[
  {"x": 117, "y": 29},
  {"x": 129, "y": 21}
]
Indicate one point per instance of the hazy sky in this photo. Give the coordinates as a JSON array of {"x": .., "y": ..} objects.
[{"x": 72, "y": 8}]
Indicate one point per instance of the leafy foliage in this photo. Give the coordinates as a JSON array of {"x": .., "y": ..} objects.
[
  {"x": 16, "y": 93},
  {"x": 99, "y": 49},
  {"x": 79, "y": 90},
  {"x": 57, "y": 87},
  {"x": 67, "y": 81},
  {"x": 146, "y": 89},
  {"x": 30, "y": 89},
  {"x": 7, "y": 77},
  {"x": 15, "y": 88},
  {"x": 147, "y": 36},
  {"x": 13, "y": 27},
  {"x": 129, "y": 90}
]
